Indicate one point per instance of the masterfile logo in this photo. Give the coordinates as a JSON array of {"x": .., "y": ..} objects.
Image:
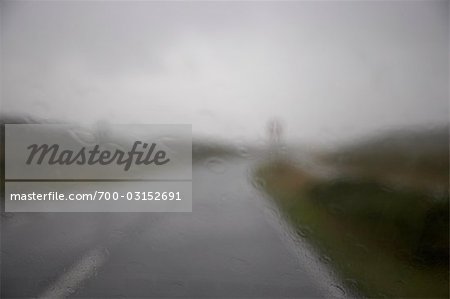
[
  {"x": 117, "y": 168},
  {"x": 52, "y": 154},
  {"x": 113, "y": 152}
]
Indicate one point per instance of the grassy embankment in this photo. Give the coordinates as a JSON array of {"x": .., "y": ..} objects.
[{"x": 380, "y": 241}]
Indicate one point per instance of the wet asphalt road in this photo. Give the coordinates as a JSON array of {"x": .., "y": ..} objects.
[{"x": 225, "y": 248}]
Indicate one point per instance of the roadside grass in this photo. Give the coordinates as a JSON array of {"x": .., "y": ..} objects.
[{"x": 380, "y": 242}]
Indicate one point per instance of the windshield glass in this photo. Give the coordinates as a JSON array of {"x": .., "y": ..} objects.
[{"x": 318, "y": 133}]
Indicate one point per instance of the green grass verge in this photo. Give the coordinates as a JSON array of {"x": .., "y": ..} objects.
[{"x": 380, "y": 242}]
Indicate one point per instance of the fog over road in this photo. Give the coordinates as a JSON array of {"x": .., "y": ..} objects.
[{"x": 227, "y": 247}]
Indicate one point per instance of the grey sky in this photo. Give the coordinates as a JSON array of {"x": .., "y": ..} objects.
[{"x": 328, "y": 70}]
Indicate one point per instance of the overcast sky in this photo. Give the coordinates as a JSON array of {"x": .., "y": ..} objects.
[{"x": 327, "y": 70}]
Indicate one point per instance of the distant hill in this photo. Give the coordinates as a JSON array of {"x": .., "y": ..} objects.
[
  {"x": 205, "y": 149},
  {"x": 201, "y": 148},
  {"x": 410, "y": 156},
  {"x": 19, "y": 119}
]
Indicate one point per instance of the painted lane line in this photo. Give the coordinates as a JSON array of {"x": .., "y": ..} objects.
[{"x": 85, "y": 268}]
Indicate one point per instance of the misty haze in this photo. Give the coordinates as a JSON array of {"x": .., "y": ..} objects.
[{"x": 319, "y": 146}]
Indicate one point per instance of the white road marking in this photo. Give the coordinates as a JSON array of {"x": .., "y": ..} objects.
[{"x": 68, "y": 282}]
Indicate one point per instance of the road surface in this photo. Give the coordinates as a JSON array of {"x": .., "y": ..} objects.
[{"x": 226, "y": 247}]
